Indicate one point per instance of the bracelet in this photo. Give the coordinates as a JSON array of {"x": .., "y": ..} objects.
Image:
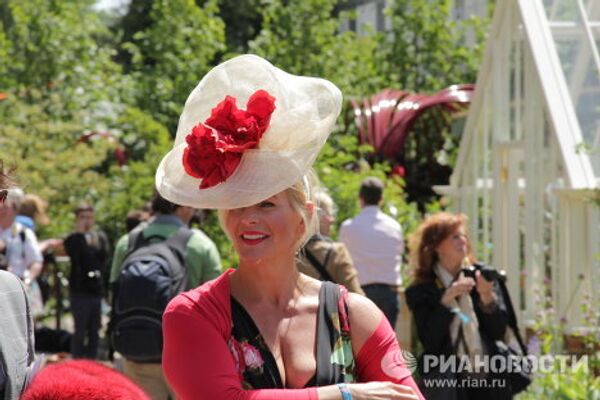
[
  {"x": 465, "y": 319},
  {"x": 346, "y": 395}
]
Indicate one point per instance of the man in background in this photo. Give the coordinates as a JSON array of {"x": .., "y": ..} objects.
[
  {"x": 89, "y": 252},
  {"x": 201, "y": 260},
  {"x": 375, "y": 243}
]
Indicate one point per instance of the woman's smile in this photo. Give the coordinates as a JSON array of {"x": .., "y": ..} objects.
[{"x": 252, "y": 238}]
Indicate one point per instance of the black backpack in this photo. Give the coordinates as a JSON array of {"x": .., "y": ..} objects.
[{"x": 152, "y": 273}]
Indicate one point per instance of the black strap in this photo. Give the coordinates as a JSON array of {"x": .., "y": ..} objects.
[
  {"x": 318, "y": 266},
  {"x": 23, "y": 239},
  {"x": 512, "y": 317},
  {"x": 327, "y": 335},
  {"x": 136, "y": 240}
]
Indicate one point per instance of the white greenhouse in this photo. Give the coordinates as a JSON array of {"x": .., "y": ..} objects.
[{"x": 529, "y": 163}]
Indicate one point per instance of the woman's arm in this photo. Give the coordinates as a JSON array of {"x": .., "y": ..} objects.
[{"x": 377, "y": 352}]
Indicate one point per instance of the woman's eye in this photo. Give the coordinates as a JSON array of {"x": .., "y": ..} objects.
[{"x": 266, "y": 204}]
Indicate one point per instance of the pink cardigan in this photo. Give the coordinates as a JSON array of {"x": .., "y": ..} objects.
[{"x": 198, "y": 364}]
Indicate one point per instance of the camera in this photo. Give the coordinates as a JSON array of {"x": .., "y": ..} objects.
[{"x": 489, "y": 273}]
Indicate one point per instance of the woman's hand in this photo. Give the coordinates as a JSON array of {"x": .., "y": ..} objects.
[
  {"x": 485, "y": 289},
  {"x": 459, "y": 287},
  {"x": 381, "y": 391}
]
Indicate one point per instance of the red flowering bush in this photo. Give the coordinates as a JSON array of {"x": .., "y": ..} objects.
[{"x": 215, "y": 147}]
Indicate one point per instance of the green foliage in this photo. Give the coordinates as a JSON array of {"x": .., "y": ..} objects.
[
  {"x": 341, "y": 168},
  {"x": 43, "y": 148},
  {"x": 52, "y": 164},
  {"x": 302, "y": 37},
  {"x": 580, "y": 382},
  {"x": 242, "y": 20},
  {"x": 171, "y": 55},
  {"x": 5, "y": 82},
  {"x": 53, "y": 49},
  {"x": 428, "y": 50},
  {"x": 146, "y": 141},
  {"x": 212, "y": 228}
]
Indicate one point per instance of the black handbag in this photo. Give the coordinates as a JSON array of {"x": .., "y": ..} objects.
[{"x": 518, "y": 378}]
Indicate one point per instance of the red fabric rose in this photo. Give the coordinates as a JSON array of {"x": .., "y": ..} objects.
[{"x": 215, "y": 147}]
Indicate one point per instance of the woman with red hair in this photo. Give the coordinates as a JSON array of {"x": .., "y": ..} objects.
[{"x": 458, "y": 311}]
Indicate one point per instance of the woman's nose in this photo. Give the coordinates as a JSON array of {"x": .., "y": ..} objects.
[{"x": 249, "y": 216}]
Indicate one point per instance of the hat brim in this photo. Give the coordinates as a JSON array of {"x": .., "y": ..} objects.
[{"x": 247, "y": 186}]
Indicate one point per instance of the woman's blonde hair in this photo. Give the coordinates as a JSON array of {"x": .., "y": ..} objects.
[
  {"x": 299, "y": 194},
  {"x": 423, "y": 242}
]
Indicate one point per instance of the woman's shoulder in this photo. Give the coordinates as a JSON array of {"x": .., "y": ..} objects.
[
  {"x": 422, "y": 292},
  {"x": 422, "y": 285},
  {"x": 208, "y": 298},
  {"x": 364, "y": 317}
]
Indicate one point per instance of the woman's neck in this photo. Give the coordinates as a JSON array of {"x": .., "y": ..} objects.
[
  {"x": 272, "y": 283},
  {"x": 452, "y": 267}
]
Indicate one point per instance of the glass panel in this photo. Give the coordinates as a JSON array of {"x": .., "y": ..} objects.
[
  {"x": 580, "y": 63},
  {"x": 561, "y": 10}
]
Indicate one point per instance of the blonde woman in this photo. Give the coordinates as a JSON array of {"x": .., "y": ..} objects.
[{"x": 246, "y": 140}]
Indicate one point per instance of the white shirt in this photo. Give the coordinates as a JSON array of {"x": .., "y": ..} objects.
[
  {"x": 375, "y": 243},
  {"x": 20, "y": 254}
]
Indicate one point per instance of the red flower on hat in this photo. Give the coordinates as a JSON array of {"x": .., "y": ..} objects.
[{"x": 215, "y": 147}]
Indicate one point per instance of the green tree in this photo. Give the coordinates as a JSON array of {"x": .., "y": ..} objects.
[
  {"x": 53, "y": 163},
  {"x": 243, "y": 21},
  {"x": 52, "y": 49},
  {"x": 303, "y": 37},
  {"x": 170, "y": 56},
  {"x": 50, "y": 162},
  {"x": 427, "y": 49},
  {"x": 137, "y": 19},
  {"x": 145, "y": 142}
]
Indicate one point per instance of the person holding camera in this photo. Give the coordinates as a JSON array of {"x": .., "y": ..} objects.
[
  {"x": 89, "y": 252},
  {"x": 458, "y": 310}
]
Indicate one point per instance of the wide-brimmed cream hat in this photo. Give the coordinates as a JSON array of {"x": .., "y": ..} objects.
[{"x": 248, "y": 131}]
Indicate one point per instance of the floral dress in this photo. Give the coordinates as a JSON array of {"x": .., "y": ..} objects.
[{"x": 335, "y": 362}]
